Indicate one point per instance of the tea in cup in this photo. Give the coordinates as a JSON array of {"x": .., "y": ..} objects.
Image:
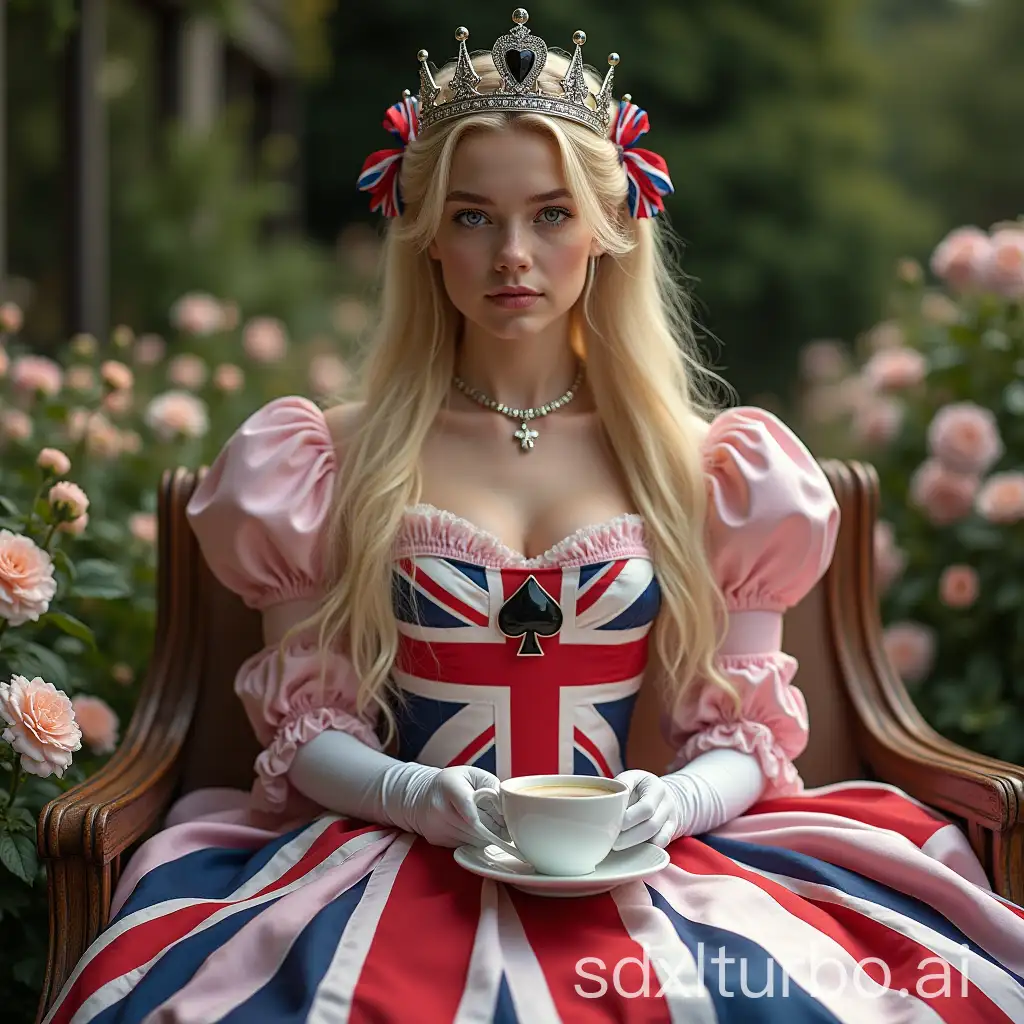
[{"x": 560, "y": 824}]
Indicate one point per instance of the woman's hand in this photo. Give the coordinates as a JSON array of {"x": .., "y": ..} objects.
[{"x": 654, "y": 813}]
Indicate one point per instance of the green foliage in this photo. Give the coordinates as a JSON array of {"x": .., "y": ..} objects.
[{"x": 949, "y": 550}]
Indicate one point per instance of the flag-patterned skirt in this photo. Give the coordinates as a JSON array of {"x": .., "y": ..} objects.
[{"x": 847, "y": 904}]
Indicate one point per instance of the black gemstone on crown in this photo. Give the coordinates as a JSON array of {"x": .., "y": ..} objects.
[{"x": 520, "y": 63}]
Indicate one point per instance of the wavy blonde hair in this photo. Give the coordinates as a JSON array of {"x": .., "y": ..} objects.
[{"x": 633, "y": 326}]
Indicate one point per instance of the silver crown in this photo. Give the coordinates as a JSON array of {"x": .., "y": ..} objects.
[{"x": 519, "y": 58}]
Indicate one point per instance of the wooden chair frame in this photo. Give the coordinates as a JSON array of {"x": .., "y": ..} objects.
[{"x": 83, "y": 834}]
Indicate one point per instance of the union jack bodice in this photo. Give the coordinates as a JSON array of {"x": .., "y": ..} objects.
[{"x": 522, "y": 666}]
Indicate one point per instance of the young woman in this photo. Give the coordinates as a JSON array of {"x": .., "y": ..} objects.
[{"x": 467, "y": 576}]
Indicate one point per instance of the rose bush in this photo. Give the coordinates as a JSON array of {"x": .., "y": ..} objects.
[
  {"x": 84, "y": 437},
  {"x": 934, "y": 399}
]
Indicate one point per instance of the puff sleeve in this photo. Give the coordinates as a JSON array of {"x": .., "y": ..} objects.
[
  {"x": 259, "y": 515},
  {"x": 771, "y": 532}
]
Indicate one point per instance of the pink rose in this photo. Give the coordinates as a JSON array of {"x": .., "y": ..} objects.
[
  {"x": 939, "y": 309},
  {"x": 228, "y": 378},
  {"x": 75, "y": 527},
  {"x": 5, "y": 362},
  {"x": 1001, "y": 498},
  {"x": 351, "y": 316},
  {"x": 198, "y": 313},
  {"x": 885, "y": 335},
  {"x": 149, "y": 350},
  {"x": 890, "y": 559},
  {"x": 143, "y": 526},
  {"x": 11, "y": 318},
  {"x": 27, "y": 585},
  {"x": 37, "y": 374},
  {"x": 80, "y": 378},
  {"x": 961, "y": 258},
  {"x": 68, "y": 499},
  {"x": 823, "y": 360},
  {"x": 942, "y": 494},
  {"x": 911, "y": 649},
  {"x": 264, "y": 339},
  {"x": 187, "y": 371},
  {"x": 15, "y": 424},
  {"x": 117, "y": 375},
  {"x": 1003, "y": 270},
  {"x": 177, "y": 414},
  {"x": 878, "y": 421},
  {"x": 896, "y": 369},
  {"x": 328, "y": 375},
  {"x": 964, "y": 437},
  {"x": 118, "y": 403},
  {"x": 41, "y": 725},
  {"x": 98, "y": 722},
  {"x": 54, "y": 460},
  {"x": 959, "y": 586}
]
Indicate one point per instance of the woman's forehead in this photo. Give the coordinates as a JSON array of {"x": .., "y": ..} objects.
[{"x": 507, "y": 165}]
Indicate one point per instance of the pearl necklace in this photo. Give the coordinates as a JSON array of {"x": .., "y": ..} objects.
[{"x": 525, "y": 435}]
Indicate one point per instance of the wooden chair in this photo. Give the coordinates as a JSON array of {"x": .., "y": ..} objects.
[{"x": 189, "y": 731}]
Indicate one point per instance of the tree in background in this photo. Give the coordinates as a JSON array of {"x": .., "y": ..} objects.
[{"x": 764, "y": 111}]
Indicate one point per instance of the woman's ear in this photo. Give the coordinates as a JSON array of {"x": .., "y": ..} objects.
[
  {"x": 433, "y": 252},
  {"x": 595, "y": 249}
]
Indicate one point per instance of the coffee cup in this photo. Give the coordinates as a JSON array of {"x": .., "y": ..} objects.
[{"x": 560, "y": 824}]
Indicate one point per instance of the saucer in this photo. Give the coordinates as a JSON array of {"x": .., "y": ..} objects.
[{"x": 618, "y": 867}]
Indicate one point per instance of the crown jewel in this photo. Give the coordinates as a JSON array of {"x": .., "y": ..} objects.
[{"x": 519, "y": 57}]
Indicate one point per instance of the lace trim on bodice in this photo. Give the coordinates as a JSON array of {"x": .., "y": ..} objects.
[{"x": 429, "y": 530}]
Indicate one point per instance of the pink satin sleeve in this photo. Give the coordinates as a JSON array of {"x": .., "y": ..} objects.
[
  {"x": 771, "y": 532},
  {"x": 259, "y": 516}
]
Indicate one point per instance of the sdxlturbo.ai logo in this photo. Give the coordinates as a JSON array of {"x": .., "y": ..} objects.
[{"x": 694, "y": 977}]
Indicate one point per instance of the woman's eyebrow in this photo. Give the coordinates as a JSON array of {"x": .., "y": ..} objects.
[{"x": 473, "y": 197}]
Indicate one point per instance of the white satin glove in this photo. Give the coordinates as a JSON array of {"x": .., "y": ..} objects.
[
  {"x": 710, "y": 790},
  {"x": 437, "y": 803}
]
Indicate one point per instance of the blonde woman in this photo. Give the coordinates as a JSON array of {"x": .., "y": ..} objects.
[{"x": 466, "y": 576}]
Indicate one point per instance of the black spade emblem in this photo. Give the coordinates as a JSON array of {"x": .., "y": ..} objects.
[
  {"x": 520, "y": 63},
  {"x": 530, "y": 612}
]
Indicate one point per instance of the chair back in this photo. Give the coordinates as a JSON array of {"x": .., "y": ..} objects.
[{"x": 221, "y": 748}]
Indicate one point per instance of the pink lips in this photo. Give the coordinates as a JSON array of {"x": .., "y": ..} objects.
[{"x": 514, "y": 298}]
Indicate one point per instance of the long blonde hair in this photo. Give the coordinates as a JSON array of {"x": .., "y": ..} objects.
[{"x": 645, "y": 377}]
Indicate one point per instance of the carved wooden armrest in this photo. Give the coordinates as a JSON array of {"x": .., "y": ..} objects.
[
  {"x": 985, "y": 794},
  {"x": 83, "y": 832}
]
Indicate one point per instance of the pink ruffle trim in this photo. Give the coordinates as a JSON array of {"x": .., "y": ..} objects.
[
  {"x": 271, "y": 791},
  {"x": 428, "y": 530}
]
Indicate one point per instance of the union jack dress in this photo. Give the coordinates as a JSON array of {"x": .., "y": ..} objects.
[{"x": 846, "y": 904}]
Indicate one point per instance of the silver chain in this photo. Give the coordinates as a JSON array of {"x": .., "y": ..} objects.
[{"x": 525, "y": 435}]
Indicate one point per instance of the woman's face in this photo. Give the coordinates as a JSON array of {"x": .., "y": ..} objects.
[{"x": 510, "y": 222}]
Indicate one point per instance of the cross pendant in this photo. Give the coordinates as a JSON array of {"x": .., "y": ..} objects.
[{"x": 525, "y": 436}]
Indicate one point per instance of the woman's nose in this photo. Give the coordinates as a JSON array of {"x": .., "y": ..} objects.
[{"x": 513, "y": 253}]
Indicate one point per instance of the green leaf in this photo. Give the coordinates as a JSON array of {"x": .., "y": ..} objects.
[
  {"x": 62, "y": 560},
  {"x": 35, "y": 660},
  {"x": 8, "y": 506},
  {"x": 21, "y": 819},
  {"x": 18, "y": 855},
  {"x": 99, "y": 578},
  {"x": 72, "y": 626}
]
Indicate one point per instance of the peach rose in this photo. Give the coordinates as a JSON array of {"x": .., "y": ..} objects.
[
  {"x": 41, "y": 725},
  {"x": 80, "y": 378},
  {"x": 823, "y": 360},
  {"x": 328, "y": 375},
  {"x": 5, "y": 362},
  {"x": 54, "y": 460},
  {"x": 27, "y": 585},
  {"x": 1001, "y": 498},
  {"x": 177, "y": 414},
  {"x": 75, "y": 527},
  {"x": 142, "y": 526},
  {"x": 264, "y": 339},
  {"x": 964, "y": 437},
  {"x": 878, "y": 421},
  {"x": 187, "y": 371},
  {"x": 11, "y": 318},
  {"x": 68, "y": 499},
  {"x": 960, "y": 258},
  {"x": 228, "y": 378},
  {"x": 959, "y": 586},
  {"x": 939, "y": 309},
  {"x": 896, "y": 369},
  {"x": 1003, "y": 270},
  {"x": 885, "y": 335},
  {"x": 351, "y": 316},
  {"x": 198, "y": 313},
  {"x": 37, "y": 374},
  {"x": 118, "y": 403},
  {"x": 943, "y": 495},
  {"x": 15, "y": 424},
  {"x": 122, "y": 674},
  {"x": 117, "y": 375},
  {"x": 911, "y": 649},
  {"x": 98, "y": 722},
  {"x": 890, "y": 559},
  {"x": 149, "y": 350}
]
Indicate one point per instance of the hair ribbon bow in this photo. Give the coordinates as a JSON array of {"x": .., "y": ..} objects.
[
  {"x": 646, "y": 171},
  {"x": 380, "y": 172}
]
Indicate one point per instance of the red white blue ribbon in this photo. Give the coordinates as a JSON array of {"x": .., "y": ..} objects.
[
  {"x": 380, "y": 172},
  {"x": 646, "y": 171}
]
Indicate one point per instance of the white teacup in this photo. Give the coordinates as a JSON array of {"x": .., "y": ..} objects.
[{"x": 560, "y": 824}]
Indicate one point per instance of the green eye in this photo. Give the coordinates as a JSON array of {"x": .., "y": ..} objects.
[{"x": 561, "y": 215}]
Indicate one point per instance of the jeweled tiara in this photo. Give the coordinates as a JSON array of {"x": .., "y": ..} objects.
[{"x": 519, "y": 57}]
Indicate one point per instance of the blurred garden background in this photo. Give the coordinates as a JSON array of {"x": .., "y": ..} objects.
[{"x": 181, "y": 240}]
